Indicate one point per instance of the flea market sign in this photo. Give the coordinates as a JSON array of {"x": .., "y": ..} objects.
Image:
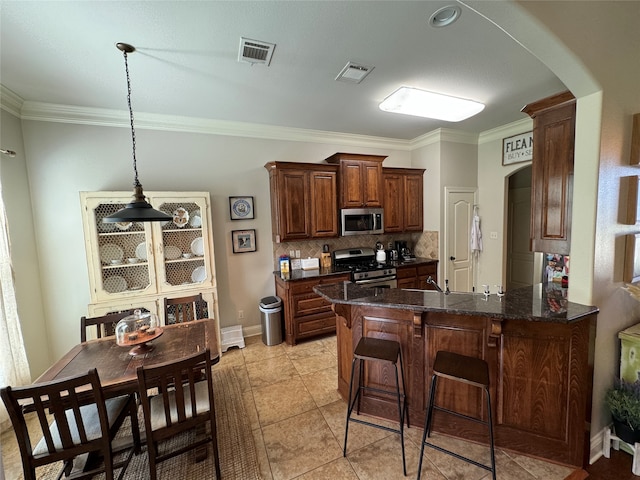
[{"x": 518, "y": 148}]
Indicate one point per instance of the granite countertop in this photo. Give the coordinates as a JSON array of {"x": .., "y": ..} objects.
[
  {"x": 541, "y": 302},
  {"x": 325, "y": 272}
]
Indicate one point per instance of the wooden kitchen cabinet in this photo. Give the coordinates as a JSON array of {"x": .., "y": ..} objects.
[
  {"x": 552, "y": 172},
  {"x": 138, "y": 264},
  {"x": 415, "y": 276},
  {"x": 306, "y": 314},
  {"x": 403, "y": 199},
  {"x": 303, "y": 201},
  {"x": 360, "y": 179}
]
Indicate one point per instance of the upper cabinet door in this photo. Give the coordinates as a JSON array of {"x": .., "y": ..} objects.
[
  {"x": 324, "y": 204},
  {"x": 183, "y": 246},
  {"x": 552, "y": 172},
  {"x": 360, "y": 179},
  {"x": 120, "y": 256},
  {"x": 403, "y": 199}
]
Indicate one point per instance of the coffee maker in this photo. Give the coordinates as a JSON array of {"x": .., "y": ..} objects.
[{"x": 401, "y": 247}]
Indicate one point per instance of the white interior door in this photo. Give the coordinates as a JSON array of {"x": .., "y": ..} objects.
[{"x": 459, "y": 202}]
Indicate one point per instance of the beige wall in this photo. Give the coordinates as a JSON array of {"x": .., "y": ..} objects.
[{"x": 24, "y": 254}]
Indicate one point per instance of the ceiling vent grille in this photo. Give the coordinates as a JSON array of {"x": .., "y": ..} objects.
[
  {"x": 255, "y": 51},
  {"x": 353, "y": 73}
]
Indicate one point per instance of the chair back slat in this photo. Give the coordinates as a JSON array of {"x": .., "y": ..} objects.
[
  {"x": 105, "y": 325},
  {"x": 185, "y": 309},
  {"x": 59, "y": 407},
  {"x": 182, "y": 385}
]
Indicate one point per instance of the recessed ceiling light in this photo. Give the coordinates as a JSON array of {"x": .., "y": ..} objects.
[
  {"x": 445, "y": 16},
  {"x": 421, "y": 103}
]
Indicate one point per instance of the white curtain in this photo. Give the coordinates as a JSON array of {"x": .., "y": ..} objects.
[{"x": 14, "y": 368}]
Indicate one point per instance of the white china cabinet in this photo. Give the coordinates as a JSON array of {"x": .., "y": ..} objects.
[{"x": 139, "y": 264}]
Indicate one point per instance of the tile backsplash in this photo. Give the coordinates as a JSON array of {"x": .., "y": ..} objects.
[{"x": 424, "y": 244}]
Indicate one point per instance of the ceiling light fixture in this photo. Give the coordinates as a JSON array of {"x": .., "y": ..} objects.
[
  {"x": 138, "y": 210},
  {"x": 421, "y": 103},
  {"x": 445, "y": 16}
]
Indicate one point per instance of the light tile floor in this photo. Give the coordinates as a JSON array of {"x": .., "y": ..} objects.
[{"x": 298, "y": 421}]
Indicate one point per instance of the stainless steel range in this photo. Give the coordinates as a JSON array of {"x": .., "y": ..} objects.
[{"x": 361, "y": 262}]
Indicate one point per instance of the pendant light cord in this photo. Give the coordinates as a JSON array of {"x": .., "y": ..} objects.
[{"x": 136, "y": 183}]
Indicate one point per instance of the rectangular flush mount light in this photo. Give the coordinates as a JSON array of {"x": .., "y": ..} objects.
[{"x": 421, "y": 103}]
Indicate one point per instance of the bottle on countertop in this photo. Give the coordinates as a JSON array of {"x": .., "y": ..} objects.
[
  {"x": 284, "y": 265},
  {"x": 325, "y": 258}
]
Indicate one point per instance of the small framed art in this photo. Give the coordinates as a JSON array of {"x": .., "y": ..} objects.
[
  {"x": 518, "y": 148},
  {"x": 243, "y": 241},
  {"x": 241, "y": 208}
]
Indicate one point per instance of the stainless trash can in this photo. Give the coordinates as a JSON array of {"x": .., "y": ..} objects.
[{"x": 271, "y": 318}]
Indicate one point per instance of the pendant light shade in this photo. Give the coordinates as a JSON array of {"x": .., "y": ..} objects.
[{"x": 138, "y": 210}]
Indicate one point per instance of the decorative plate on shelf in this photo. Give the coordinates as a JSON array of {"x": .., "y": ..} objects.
[
  {"x": 197, "y": 247},
  {"x": 109, "y": 252},
  {"x": 199, "y": 275},
  {"x": 195, "y": 219},
  {"x": 141, "y": 251},
  {"x": 171, "y": 252},
  {"x": 115, "y": 284},
  {"x": 123, "y": 225},
  {"x": 180, "y": 217}
]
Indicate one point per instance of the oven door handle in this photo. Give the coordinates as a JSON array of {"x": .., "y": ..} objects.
[{"x": 375, "y": 280}]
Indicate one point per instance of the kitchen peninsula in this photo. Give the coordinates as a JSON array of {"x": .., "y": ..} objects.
[{"x": 536, "y": 343}]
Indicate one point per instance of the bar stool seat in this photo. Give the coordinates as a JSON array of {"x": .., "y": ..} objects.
[
  {"x": 377, "y": 350},
  {"x": 472, "y": 371}
]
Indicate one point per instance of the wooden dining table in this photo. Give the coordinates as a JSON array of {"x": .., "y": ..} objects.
[{"x": 117, "y": 368}]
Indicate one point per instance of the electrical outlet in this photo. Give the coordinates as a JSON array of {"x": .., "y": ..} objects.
[
  {"x": 297, "y": 253},
  {"x": 240, "y": 314},
  {"x": 494, "y": 235},
  {"x": 292, "y": 254}
]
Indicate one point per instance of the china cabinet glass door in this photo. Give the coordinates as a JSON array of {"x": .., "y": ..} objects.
[
  {"x": 124, "y": 261},
  {"x": 183, "y": 254}
]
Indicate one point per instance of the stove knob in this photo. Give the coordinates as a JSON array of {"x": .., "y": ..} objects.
[{"x": 365, "y": 275}]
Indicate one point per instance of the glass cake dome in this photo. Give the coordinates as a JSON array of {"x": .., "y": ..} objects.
[{"x": 137, "y": 328}]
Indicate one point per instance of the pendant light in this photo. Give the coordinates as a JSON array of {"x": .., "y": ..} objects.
[{"x": 138, "y": 210}]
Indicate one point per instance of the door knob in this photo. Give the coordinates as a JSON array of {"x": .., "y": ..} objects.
[{"x": 452, "y": 258}]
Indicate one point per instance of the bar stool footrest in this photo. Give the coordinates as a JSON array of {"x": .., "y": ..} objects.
[
  {"x": 460, "y": 415},
  {"x": 458, "y": 456},
  {"x": 382, "y": 427}
]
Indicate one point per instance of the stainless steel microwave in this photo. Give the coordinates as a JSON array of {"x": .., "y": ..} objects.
[{"x": 361, "y": 221}]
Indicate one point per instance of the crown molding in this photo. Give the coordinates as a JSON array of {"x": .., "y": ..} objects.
[
  {"x": 504, "y": 131},
  {"x": 10, "y": 102},
  {"x": 47, "y": 112}
]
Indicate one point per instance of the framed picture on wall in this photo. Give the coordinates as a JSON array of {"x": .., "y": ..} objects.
[
  {"x": 518, "y": 148},
  {"x": 632, "y": 258},
  {"x": 243, "y": 241},
  {"x": 241, "y": 208}
]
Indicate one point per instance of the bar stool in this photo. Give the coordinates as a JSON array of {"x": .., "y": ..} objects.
[
  {"x": 378, "y": 350},
  {"x": 469, "y": 370}
]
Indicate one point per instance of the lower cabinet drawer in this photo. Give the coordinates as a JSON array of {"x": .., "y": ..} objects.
[
  {"x": 309, "y": 304},
  {"x": 313, "y": 326}
]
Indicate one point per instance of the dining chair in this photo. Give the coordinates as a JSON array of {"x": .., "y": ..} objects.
[
  {"x": 182, "y": 403},
  {"x": 105, "y": 325},
  {"x": 184, "y": 309},
  {"x": 83, "y": 422}
]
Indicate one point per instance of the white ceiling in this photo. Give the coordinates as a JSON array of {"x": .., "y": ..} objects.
[{"x": 64, "y": 52}]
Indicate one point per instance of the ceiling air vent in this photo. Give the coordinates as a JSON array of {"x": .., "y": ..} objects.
[
  {"x": 255, "y": 51},
  {"x": 353, "y": 73}
]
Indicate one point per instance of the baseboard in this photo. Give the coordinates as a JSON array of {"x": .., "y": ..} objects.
[
  {"x": 596, "y": 447},
  {"x": 252, "y": 331}
]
